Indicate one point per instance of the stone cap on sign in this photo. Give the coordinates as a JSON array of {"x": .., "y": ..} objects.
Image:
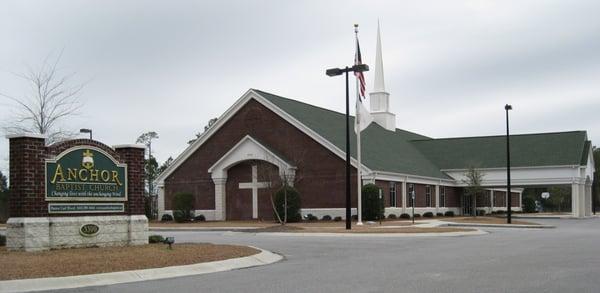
[
  {"x": 129, "y": 146},
  {"x": 28, "y": 135}
]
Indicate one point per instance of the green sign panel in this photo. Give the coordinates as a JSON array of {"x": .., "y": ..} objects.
[
  {"x": 80, "y": 208},
  {"x": 85, "y": 173}
]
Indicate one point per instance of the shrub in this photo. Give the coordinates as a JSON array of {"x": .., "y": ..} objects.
[
  {"x": 354, "y": 217},
  {"x": 372, "y": 205},
  {"x": 439, "y": 214},
  {"x": 337, "y": 219},
  {"x": 326, "y": 218},
  {"x": 528, "y": 204},
  {"x": 293, "y": 204},
  {"x": 404, "y": 216},
  {"x": 481, "y": 212},
  {"x": 417, "y": 215},
  {"x": 183, "y": 205},
  {"x": 200, "y": 218},
  {"x": 501, "y": 212},
  {"x": 428, "y": 215},
  {"x": 392, "y": 216},
  {"x": 449, "y": 214},
  {"x": 311, "y": 217},
  {"x": 166, "y": 218},
  {"x": 2, "y": 240},
  {"x": 155, "y": 239}
]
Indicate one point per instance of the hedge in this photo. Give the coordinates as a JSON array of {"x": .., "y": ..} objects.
[
  {"x": 293, "y": 204},
  {"x": 372, "y": 205},
  {"x": 183, "y": 206}
]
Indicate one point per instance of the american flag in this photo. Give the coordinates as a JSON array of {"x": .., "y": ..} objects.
[{"x": 359, "y": 75}]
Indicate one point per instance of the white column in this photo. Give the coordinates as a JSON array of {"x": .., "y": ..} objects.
[
  {"x": 521, "y": 200},
  {"x": 220, "y": 204},
  {"x": 437, "y": 198},
  {"x": 492, "y": 199},
  {"x": 161, "y": 201},
  {"x": 575, "y": 200},
  {"x": 404, "y": 197},
  {"x": 588, "y": 200},
  {"x": 582, "y": 200}
]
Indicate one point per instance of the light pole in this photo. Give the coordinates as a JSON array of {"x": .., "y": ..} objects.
[
  {"x": 336, "y": 72},
  {"x": 412, "y": 198},
  {"x": 86, "y": 130},
  {"x": 508, "y": 195}
]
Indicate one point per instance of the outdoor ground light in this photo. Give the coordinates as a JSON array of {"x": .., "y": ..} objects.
[{"x": 170, "y": 241}]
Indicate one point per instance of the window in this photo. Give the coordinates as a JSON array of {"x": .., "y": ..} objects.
[
  {"x": 427, "y": 195},
  {"x": 442, "y": 196},
  {"x": 392, "y": 194},
  {"x": 411, "y": 189}
]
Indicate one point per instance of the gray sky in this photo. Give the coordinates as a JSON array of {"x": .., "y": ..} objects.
[{"x": 450, "y": 66}]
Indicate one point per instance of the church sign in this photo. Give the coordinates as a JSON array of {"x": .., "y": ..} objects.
[{"x": 85, "y": 173}]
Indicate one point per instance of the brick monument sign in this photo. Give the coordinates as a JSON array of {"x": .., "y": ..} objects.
[{"x": 74, "y": 193}]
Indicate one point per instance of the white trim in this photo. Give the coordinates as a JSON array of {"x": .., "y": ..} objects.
[
  {"x": 512, "y": 168},
  {"x": 28, "y": 135},
  {"x": 401, "y": 177},
  {"x": 230, "y": 112}
]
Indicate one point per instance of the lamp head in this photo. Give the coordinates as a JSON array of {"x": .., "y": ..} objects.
[
  {"x": 360, "y": 68},
  {"x": 334, "y": 72},
  {"x": 508, "y": 107}
]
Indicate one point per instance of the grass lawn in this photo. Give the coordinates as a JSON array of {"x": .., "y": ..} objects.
[{"x": 83, "y": 261}]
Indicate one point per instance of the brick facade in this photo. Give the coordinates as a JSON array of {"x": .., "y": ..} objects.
[
  {"x": 27, "y": 174},
  {"x": 320, "y": 176}
]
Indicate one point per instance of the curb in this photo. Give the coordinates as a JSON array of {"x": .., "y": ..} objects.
[
  {"x": 369, "y": 235},
  {"x": 265, "y": 257},
  {"x": 201, "y": 229},
  {"x": 500, "y": 226}
]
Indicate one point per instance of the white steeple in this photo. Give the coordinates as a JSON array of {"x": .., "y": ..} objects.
[{"x": 380, "y": 99}]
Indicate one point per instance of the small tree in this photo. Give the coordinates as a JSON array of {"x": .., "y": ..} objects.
[
  {"x": 183, "y": 206},
  {"x": 473, "y": 180},
  {"x": 3, "y": 198},
  {"x": 210, "y": 123},
  {"x": 372, "y": 206}
]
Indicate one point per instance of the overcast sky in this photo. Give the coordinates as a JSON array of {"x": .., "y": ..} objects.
[{"x": 450, "y": 66}]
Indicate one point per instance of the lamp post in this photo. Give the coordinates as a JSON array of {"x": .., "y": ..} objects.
[
  {"x": 412, "y": 198},
  {"x": 86, "y": 130},
  {"x": 508, "y": 194},
  {"x": 336, "y": 72}
]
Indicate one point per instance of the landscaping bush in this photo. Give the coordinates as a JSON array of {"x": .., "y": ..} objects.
[
  {"x": 404, "y": 216},
  {"x": 166, "y": 218},
  {"x": 311, "y": 217},
  {"x": 417, "y": 215},
  {"x": 2, "y": 240},
  {"x": 293, "y": 204},
  {"x": 481, "y": 212},
  {"x": 500, "y": 212},
  {"x": 337, "y": 219},
  {"x": 439, "y": 214},
  {"x": 155, "y": 239},
  {"x": 372, "y": 205},
  {"x": 449, "y": 214},
  {"x": 354, "y": 217},
  {"x": 392, "y": 216},
  {"x": 326, "y": 218},
  {"x": 183, "y": 206},
  {"x": 529, "y": 204},
  {"x": 428, "y": 215},
  {"x": 200, "y": 218}
]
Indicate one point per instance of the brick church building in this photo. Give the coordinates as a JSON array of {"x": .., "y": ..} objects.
[{"x": 263, "y": 133}]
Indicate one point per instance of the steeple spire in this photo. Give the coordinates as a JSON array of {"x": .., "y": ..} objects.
[
  {"x": 379, "y": 85},
  {"x": 380, "y": 99}
]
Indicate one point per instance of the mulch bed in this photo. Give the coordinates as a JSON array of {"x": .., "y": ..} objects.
[
  {"x": 83, "y": 261},
  {"x": 357, "y": 229},
  {"x": 487, "y": 220}
]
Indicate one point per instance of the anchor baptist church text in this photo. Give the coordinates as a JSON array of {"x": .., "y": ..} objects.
[{"x": 85, "y": 183}]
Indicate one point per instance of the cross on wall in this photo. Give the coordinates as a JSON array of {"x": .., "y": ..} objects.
[{"x": 254, "y": 185}]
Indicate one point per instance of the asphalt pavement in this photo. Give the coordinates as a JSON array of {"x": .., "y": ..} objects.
[{"x": 565, "y": 259}]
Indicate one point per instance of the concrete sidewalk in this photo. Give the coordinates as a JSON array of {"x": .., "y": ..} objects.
[{"x": 27, "y": 285}]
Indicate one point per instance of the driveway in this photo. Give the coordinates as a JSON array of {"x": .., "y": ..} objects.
[{"x": 565, "y": 259}]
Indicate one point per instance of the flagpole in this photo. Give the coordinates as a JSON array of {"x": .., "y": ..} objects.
[{"x": 357, "y": 128}]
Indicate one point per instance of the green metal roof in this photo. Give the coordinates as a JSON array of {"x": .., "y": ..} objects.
[{"x": 410, "y": 153}]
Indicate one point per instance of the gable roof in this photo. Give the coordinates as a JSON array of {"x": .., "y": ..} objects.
[{"x": 526, "y": 150}]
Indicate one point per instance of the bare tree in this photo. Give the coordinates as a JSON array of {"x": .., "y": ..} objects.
[
  {"x": 210, "y": 123},
  {"x": 279, "y": 179},
  {"x": 51, "y": 99},
  {"x": 473, "y": 180}
]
